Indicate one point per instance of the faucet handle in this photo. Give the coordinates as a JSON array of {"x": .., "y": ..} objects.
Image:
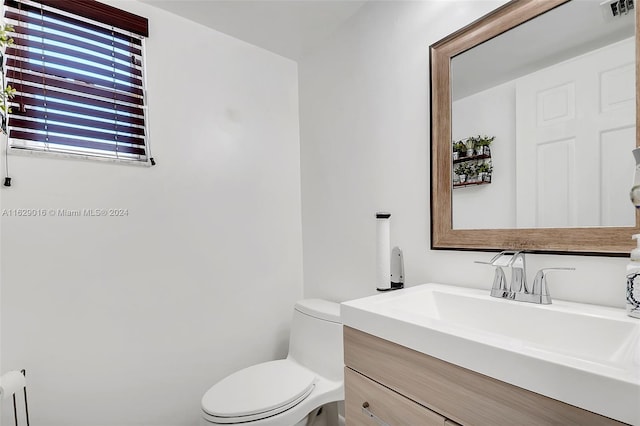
[
  {"x": 540, "y": 289},
  {"x": 499, "y": 287},
  {"x": 517, "y": 259},
  {"x": 496, "y": 260}
]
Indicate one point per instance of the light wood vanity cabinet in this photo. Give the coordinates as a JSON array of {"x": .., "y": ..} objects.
[
  {"x": 403, "y": 387},
  {"x": 390, "y": 407}
]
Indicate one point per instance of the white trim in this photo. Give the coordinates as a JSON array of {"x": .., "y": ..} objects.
[{"x": 25, "y": 152}]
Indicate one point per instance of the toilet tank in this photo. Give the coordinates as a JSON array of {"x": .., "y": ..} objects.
[{"x": 316, "y": 337}]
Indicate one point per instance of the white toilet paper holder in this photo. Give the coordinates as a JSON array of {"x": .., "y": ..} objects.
[
  {"x": 389, "y": 263},
  {"x": 397, "y": 269}
]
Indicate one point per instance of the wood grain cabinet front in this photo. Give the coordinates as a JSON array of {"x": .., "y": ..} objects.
[
  {"x": 368, "y": 403},
  {"x": 405, "y": 387}
]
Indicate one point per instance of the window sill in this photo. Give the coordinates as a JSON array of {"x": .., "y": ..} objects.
[{"x": 24, "y": 152}]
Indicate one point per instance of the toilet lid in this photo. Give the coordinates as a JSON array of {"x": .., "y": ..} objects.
[{"x": 261, "y": 388}]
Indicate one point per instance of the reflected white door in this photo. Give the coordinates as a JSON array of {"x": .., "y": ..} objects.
[{"x": 575, "y": 129}]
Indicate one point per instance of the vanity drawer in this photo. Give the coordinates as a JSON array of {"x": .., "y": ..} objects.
[
  {"x": 388, "y": 406},
  {"x": 469, "y": 398}
]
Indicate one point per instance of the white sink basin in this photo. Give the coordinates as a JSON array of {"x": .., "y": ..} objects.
[{"x": 585, "y": 355}]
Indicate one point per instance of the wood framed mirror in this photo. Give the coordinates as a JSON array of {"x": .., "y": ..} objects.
[{"x": 578, "y": 238}]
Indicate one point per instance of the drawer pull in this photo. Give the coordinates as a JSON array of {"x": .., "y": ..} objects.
[{"x": 365, "y": 410}]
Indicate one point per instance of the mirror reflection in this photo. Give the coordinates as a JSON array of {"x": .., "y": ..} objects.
[{"x": 556, "y": 98}]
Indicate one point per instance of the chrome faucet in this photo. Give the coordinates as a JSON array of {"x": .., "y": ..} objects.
[
  {"x": 500, "y": 260},
  {"x": 540, "y": 290},
  {"x": 518, "y": 289},
  {"x": 518, "y": 273}
]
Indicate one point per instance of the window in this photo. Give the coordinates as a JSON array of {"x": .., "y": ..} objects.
[{"x": 77, "y": 68}]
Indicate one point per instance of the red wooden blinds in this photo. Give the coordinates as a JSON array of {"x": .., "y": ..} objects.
[{"x": 77, "y": 68}]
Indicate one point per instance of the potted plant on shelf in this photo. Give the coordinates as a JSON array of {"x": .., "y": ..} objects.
[
  {"x": 462, "y": 170},
  {"x": 484, "y": 172},
  {"x": 472, "y": 172},
  {"x": 482, "y": 144},
  {"x": 460, "y": 148},
  {"x": 470, "y": 144}
]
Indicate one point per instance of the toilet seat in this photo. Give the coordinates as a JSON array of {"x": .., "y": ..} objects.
[{"x": 258, "y": 392}]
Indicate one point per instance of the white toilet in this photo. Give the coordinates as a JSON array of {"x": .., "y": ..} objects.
[{"x": 290, "y": 391}]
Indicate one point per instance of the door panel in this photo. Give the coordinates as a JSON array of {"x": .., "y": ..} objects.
[{"x": 575, "y": 126}]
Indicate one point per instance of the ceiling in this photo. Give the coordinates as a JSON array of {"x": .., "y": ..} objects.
[
  {"x": 565, "y": 32},
  {"x": 292, "y": 28},
  {"x": 289, "y": 28}
]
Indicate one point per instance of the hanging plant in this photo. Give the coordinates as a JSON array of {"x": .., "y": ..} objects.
[{"x": 7, "y": 92}]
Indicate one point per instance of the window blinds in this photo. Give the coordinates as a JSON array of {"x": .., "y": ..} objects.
[{"x": 79, "y": 82}]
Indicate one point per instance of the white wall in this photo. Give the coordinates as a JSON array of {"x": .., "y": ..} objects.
[
  {"x": 123, "y": 321},
  {"x": 490, "y": 112},
  {"x": 129, "y": 320},
  {"x": 364, "y": 115}
]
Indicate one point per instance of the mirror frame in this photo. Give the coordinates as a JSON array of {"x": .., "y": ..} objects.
[{"x": 608, "y": 241}]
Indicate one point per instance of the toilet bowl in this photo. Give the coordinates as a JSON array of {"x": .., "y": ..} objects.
[{"x": 286, "y": 392}]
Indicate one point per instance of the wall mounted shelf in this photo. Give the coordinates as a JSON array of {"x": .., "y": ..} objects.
[
  {"x": 463, "y": 184},
  {"x": 471, "y": 158},
  {"x": 473, "y": 162}
]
